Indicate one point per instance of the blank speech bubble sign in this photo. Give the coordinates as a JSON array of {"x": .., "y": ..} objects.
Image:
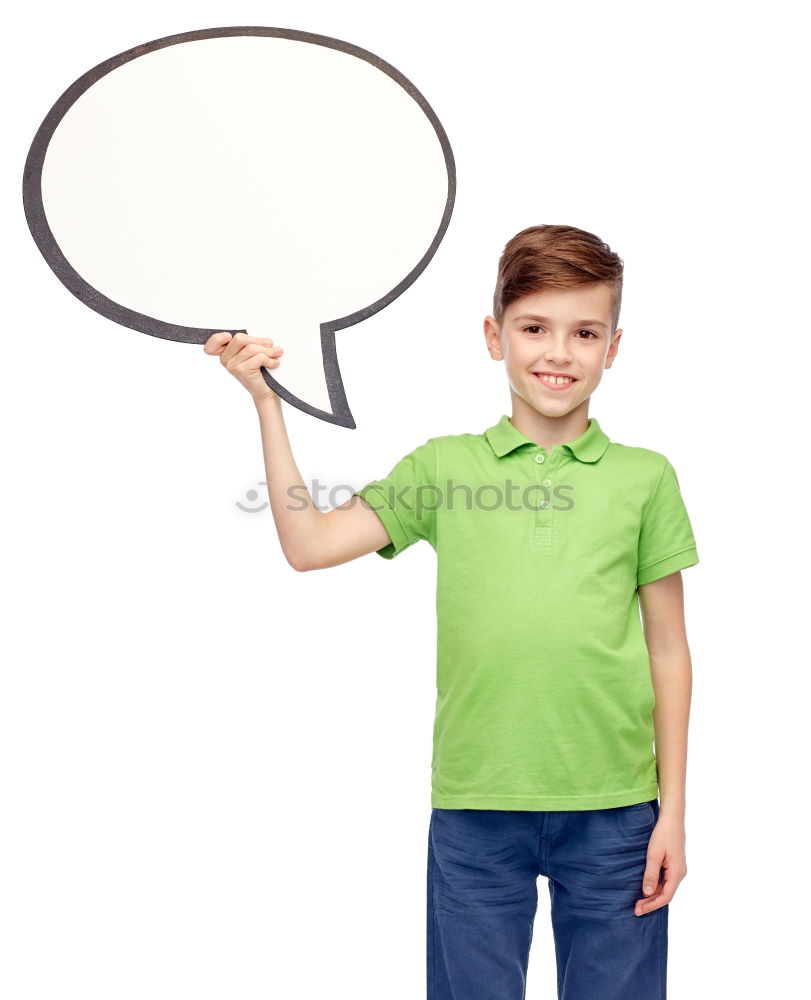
[{"x": 251, "y": 179}]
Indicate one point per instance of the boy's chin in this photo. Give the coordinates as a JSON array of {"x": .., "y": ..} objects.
[{"x": 554, "y": 410}]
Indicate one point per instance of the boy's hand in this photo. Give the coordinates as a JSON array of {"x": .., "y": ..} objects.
[
  {"x": 243, "y": 356},
  {"x": 666, "y": 855}
]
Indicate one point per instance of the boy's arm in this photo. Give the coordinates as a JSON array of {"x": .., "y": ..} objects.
[
  {"x": 662, "y": 605},
  {"x": 310, "y": 538}
]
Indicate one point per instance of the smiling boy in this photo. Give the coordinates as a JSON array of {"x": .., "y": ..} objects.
[{"x": 551, "y": 689}]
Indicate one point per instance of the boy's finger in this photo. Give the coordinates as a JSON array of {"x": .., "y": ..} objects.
[
  {"x": 217, "y": 342},
  {"x": 665, "y": 891},
  {"x": 649, "y": 902},
  {"x": 234, "y": 346},
  {"x": 649, "y": 905},
  {"x": 650, "y": 879},
  {"x": 252, "y": 357},
  {"x": 241, "y": 340}
]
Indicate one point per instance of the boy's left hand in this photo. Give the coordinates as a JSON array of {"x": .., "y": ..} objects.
[{"x": 666, "y": 856}]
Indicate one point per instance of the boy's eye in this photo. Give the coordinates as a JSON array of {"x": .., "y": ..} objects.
[{"x": 532, "y": 329}]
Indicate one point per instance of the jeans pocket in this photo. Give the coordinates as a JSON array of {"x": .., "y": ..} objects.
[{"x": 640, "y": 812}]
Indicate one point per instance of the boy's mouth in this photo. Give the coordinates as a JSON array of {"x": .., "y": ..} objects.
[{"x": 554, "y": 381}]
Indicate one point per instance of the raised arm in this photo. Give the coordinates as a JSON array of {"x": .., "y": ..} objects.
[{"x": 310, "y": 538}]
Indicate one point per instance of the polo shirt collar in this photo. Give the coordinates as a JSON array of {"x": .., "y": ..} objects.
[{"x": 589, "y": 447}]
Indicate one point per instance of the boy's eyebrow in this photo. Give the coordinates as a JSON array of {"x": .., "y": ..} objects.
[{"x": 580, "y": 322}]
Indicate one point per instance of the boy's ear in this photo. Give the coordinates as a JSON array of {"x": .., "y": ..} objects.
[
  {"x": 613, "y": 348},
  {"x": 491, "y": 336}
]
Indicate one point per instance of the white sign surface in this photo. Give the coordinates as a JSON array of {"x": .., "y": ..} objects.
[{"x": 254, "y": 179}]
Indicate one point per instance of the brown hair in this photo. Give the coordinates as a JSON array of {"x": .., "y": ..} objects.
[{"x": 542, "y": 257}]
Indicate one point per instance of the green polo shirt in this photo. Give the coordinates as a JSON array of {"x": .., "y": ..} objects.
[{"x": 544, "y": 689}]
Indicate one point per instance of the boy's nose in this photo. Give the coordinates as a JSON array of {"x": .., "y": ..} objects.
[{"x": 557, "y": 356}]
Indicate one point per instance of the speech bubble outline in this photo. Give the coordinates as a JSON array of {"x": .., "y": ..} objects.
[{"x": 124, "y": 316}]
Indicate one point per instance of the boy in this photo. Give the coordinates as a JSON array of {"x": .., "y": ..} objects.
[{"x": 550, "y": 540}]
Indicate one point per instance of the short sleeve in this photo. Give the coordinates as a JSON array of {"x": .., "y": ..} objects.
[
  {"x": 406, "y": 500},
  {"x": 666, "y": 542}
]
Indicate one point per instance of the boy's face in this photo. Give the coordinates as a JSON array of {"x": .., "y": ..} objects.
[{"x": 564, "y": 331}]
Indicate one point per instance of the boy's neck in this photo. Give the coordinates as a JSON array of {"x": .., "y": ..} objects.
[{"x": 549, "y": 431}]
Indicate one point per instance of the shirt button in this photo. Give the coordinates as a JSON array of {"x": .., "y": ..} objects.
[
  {"x": 546, "y": 482},
  {"x": 544, "y": 503},
  {"x": 539, "y": 458}
]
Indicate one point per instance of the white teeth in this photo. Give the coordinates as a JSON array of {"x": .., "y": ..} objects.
[{"x": 557, "y": 379}]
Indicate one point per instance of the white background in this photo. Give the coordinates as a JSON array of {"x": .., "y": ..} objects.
[{"x": 215, "y": 775}]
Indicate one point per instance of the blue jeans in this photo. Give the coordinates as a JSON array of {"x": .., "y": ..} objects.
[{"x": 482, "y": 896}]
